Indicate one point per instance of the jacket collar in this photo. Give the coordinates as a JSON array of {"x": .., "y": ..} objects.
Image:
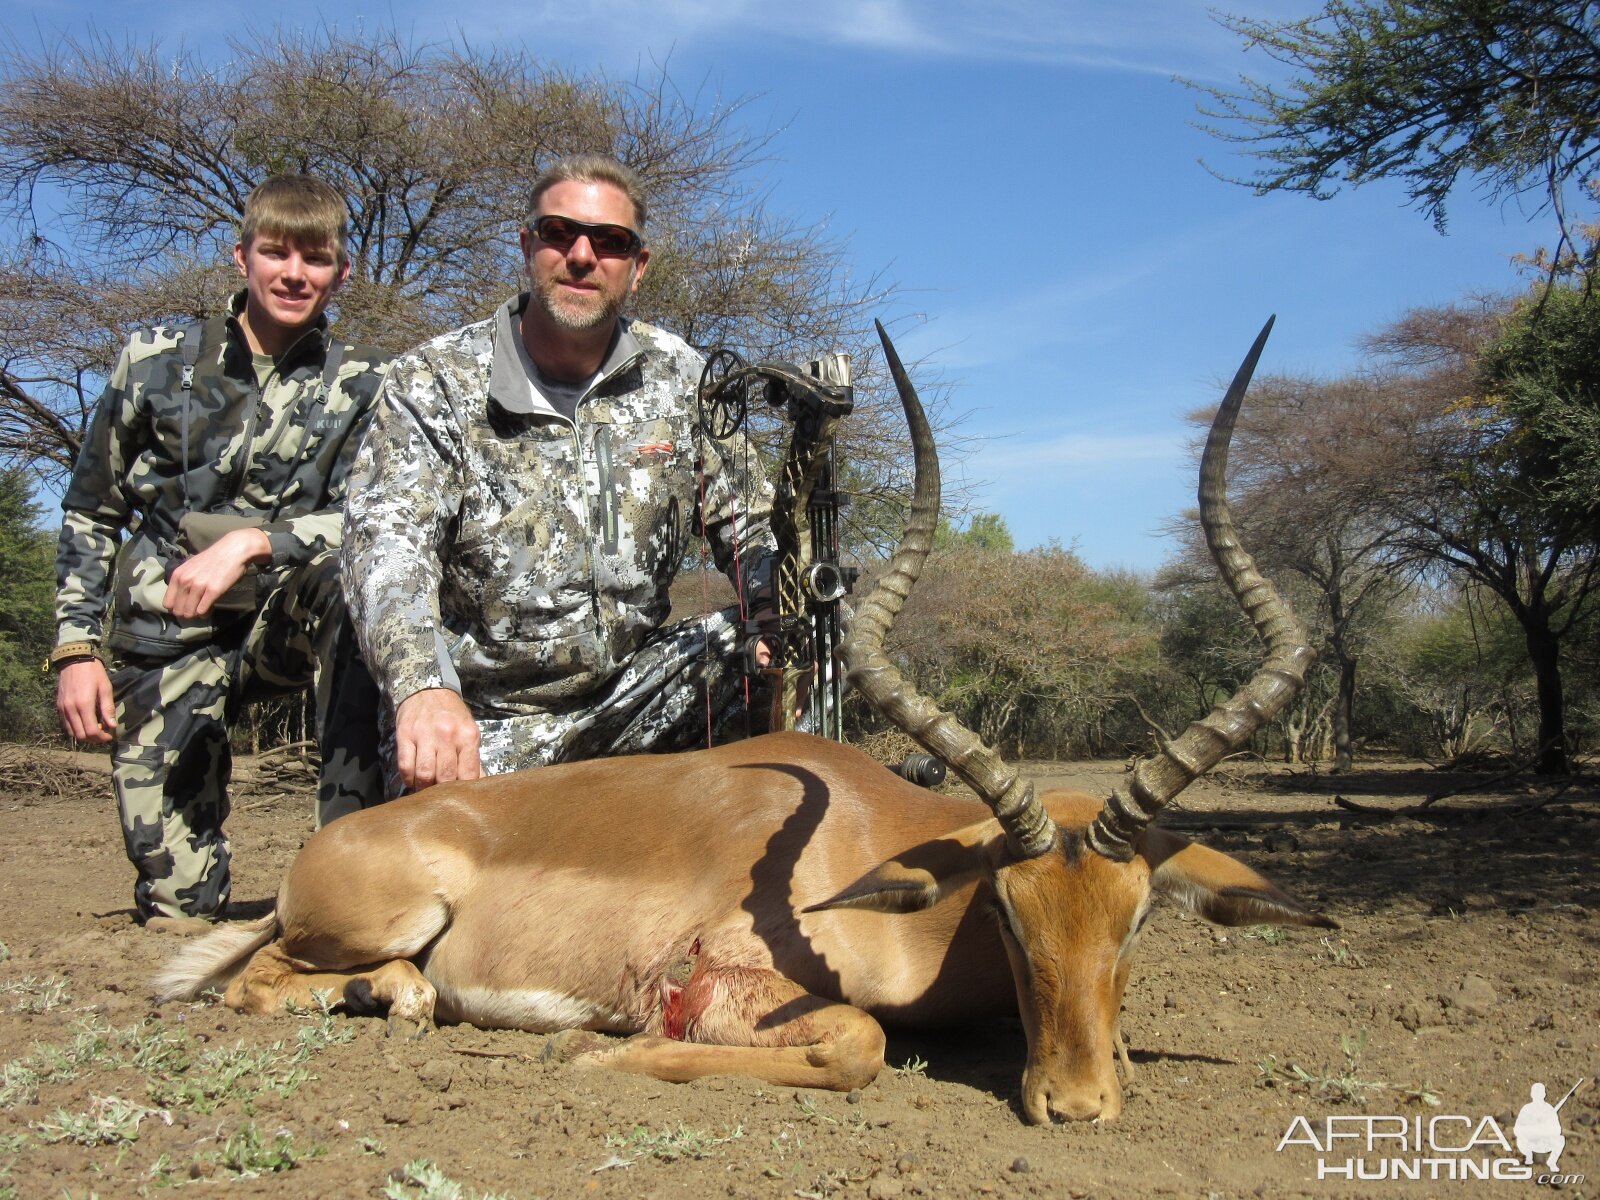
[
  {"x": 312, "y": 341},
  {"x": 511, "y": 372}
]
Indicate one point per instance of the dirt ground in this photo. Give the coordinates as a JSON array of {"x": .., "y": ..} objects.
[{"x": 1467, "y": 969}]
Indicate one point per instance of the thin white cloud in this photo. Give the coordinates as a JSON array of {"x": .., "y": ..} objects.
[{"x": 1165, "y": 37}]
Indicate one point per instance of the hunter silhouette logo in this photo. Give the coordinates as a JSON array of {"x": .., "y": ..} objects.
[{"x": 1538, "y": 1127}]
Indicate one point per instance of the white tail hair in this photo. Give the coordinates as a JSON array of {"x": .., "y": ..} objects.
[{"x": 213, "y": 961}]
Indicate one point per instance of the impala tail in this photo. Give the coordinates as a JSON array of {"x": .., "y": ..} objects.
[{"x": 214, "y": 960}]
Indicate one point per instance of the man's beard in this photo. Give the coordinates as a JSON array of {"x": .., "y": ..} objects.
[{"x": 566, "y": 312}]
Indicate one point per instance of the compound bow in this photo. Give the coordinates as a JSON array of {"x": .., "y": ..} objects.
[{"x": 808, "y": 580}]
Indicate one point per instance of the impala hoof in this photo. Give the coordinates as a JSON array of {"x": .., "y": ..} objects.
[
  {"x": 407, "y": 1028},
  {"x": 571, "y": 1044}
]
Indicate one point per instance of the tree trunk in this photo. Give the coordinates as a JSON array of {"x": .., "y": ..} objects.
[
  {"x": 1544, "y": 653},
  {"x": 1344, "y": 713}
]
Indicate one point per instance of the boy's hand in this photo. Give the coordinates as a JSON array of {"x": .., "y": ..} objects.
[
  {"x": 83, "y": 701},
  {"x": 196, "y": 583}
]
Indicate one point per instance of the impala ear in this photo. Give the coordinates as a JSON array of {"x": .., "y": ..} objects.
[
  {"x": 917, "y": 879},
  {"x": 1219, "y": 888}
]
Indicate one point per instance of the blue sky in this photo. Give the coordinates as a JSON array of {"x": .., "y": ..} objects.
[{"x": 1028, "y": 172}]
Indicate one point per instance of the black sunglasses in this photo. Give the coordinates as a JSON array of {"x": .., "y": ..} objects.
[{"x": 609, "y": 241}]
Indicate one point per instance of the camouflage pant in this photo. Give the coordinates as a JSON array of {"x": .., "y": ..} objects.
[
  {"x": 171, "y": 763},
  {"x": 686, "y": 680}
]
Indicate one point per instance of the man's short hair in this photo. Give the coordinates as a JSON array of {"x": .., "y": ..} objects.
[
  {"x": 300, "y": 208},
  {"x": 591, "y": 168}
]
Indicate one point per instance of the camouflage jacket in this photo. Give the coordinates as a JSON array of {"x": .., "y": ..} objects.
[
  {"x": 496, "y": 548},
  {"x": 244, "y": 456}
]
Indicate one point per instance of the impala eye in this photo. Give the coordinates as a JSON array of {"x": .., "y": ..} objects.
[{"x": 1002, "y": 918}]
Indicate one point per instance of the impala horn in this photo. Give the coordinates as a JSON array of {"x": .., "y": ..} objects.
[
  {"x": 1158, "y": 779},
  {"x": 1029, "y": 830}
]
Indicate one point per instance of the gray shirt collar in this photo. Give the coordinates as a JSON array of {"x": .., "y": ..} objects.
[{"x": 511, "y": 374}]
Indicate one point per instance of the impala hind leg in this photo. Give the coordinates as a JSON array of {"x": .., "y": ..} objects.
[
  {"x": 274, "y": 979},
  {"x": 745, "y": 1022}
]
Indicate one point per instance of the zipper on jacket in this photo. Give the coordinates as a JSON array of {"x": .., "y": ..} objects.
[
  {"x": 603, "y": 481},
  {"x": 242, "y": 476}
]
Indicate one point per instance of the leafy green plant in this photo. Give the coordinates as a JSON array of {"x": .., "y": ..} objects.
[
  {"x": 1341, "y": 955},
  {"x": 231, "y": 1073},
  {"x": 10, "y": 1145},
  {"x": 178, "y": 1073},
  {"x": 1338, "y": 1085},
  {"x": 33, "y": 995},
  {"x": 91, "y": 1044},
  {"x": 243, "y": 1072},
  {"x": 247, "y": 1153},
  {"x": 109, "y": 1120},
  {"x": 421, "y": 1179},
  {"x": 1270, "y": 934},
  {"x": 164, "y": 1171},
  {"x": 668, "y": 1145},
  {"x": 827, "y": 1184}
]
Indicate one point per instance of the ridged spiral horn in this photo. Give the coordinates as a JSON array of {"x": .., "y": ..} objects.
[
  {"x": 1028, "y": 828},
  {"x": 1158, "y": 779}
]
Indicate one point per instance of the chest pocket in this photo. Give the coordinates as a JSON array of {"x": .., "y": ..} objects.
[{"x": 644, "y": 494}]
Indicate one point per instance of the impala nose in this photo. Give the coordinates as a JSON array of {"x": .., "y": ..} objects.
[
  {"x": 1048, "y": 1103},
  {"x": 1064, "y": 1100},
  {"x": 1104, "y": 1106}
]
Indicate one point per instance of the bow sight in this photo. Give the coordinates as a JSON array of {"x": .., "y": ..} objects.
[{"x": 808, "y": 580}]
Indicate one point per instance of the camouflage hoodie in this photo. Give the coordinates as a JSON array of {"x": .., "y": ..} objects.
[
  {"x": 496, "y": 548},
  {"x": 244, "y": 444}
]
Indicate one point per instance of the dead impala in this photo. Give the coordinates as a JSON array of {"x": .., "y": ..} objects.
[{"x": 758, "y": 908}]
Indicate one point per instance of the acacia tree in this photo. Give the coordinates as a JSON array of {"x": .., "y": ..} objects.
[
  {"x": 1424, "y": 91},
  {"x": 1543, "y": 372},
  {"x": 124, "y": 170},
  {"x": 1481, "y": 495},
  {"x": 1208, "y": 646},
  {"x": 986, "y": 531},
  {"x": 1458, "y": 664}
]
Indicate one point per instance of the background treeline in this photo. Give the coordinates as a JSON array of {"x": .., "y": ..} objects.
[{"x": 1049, "y": 658}]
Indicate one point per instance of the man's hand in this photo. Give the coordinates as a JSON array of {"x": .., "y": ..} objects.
[
  {"x": 436, "y": 739},
  {"x": 197, "y": 582},
  {"x": 83, "y": 700}
]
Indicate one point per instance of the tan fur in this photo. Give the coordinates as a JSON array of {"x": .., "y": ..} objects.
[{"x": 771, "y": 901}]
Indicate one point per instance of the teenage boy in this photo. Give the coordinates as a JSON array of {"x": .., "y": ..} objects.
[{"x": 220, "y": 449}]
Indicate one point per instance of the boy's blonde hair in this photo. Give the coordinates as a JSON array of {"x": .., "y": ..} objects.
[{"x": 300, "y": 208}]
